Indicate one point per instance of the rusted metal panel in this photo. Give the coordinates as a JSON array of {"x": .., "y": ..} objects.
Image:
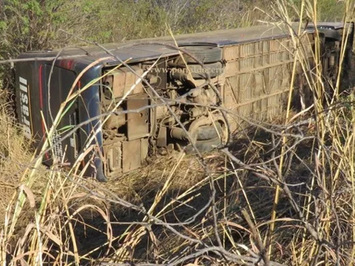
[
  {"x": 113, "y": 156},
  {"x": 137, "y": 117},
  {"x": 123, "y": 156},
  {"x": 231, "y": 53},
  {"x": 258, "y": 92},
  {"x": 274, "y": 46},
  {"x": 162, "y": 137},
  {"x": 247, "y": 49},
  {"x": 257, "y": 78},
  {"x": 123, "y": 79},
  {"x": 246, "y": 64},
  {"x": 231, "y": 69},
  {"x": 144, "y": 149},
  {"x": 131, "y": 158}
]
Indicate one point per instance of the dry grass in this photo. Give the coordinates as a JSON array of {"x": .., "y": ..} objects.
[
  {"x": 14, "y": 156},
  {"x": 283, "y": 194}
]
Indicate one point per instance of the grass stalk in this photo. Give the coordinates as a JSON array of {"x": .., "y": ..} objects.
[{"x": 296, "y": 62}]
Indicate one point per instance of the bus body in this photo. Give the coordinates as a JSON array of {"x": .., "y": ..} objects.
[{"x": 111, "y": 106}]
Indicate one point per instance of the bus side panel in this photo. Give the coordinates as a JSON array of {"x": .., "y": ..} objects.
[
  {"x": 28, "y": 99},
  {"x": 258, "y": 78}
]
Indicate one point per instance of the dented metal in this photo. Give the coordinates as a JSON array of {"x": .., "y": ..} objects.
[{"x": 178, "y": 102}]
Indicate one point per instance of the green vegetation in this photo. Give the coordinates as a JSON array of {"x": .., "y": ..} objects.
[
  {"x": 288, "y": 198},
  {"x": 34, "y": 24}
]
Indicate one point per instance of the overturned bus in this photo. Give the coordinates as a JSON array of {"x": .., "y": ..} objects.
[{"x": 111, "y": 106}]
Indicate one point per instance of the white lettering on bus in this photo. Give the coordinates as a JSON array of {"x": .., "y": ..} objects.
[{"x": 24, "y": 108}]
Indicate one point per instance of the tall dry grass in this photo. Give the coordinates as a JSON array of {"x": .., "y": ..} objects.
[
  {"x": 14, "y": 154},
  {"x": 282, "y": 194}
]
